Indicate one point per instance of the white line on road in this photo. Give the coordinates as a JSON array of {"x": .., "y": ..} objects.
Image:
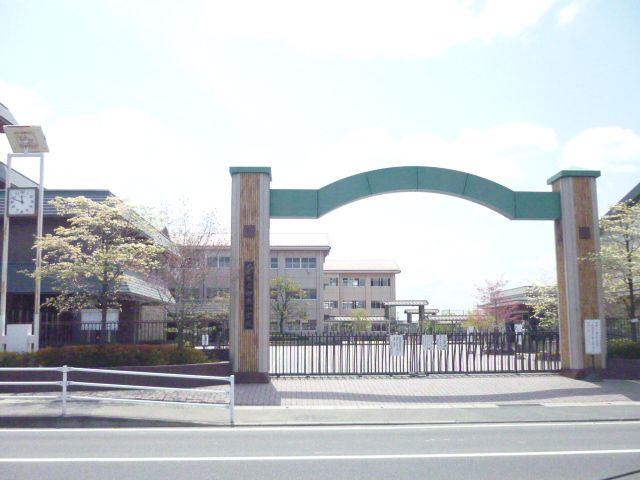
[
  {"x": 281, "y": 458},
  {"x": 240, "y": 429}
]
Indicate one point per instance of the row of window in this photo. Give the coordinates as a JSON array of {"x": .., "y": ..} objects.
[
  {"x": 351, "y": 304},
  {"x": 295, "y": 262},
  {"x": 196, "y": 293},
  {"x": 358, "y": 282},
  {"x": 219, "y": 262}
]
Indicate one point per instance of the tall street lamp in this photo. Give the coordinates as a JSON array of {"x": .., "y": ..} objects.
[{"x": 25, "y": 141}]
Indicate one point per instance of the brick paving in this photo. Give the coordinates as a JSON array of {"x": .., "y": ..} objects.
[
  {"x": 434, "y": 390},
  {"x": 398, "y": 392}
]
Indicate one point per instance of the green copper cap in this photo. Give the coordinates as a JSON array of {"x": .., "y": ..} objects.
[
  {"x": 573, "y": 173},
  {"x": 234, "y": 170}
]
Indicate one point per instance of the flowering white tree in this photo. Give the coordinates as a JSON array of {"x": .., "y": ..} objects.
[{"x": 89, "y": 258}]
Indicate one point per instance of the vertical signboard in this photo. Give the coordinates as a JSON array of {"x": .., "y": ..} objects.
[
  {"x": 519, "y": 329},
  {"x": 441, "y": 341},
  {"x": 427, "y": 342},
  {"x": 396, "y": 345},
  {"x": 248, "y": 295},
  {"x": 592, "y": 337}
]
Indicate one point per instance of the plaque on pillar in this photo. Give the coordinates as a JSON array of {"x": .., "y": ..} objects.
[{"x": 248, "y": 295}]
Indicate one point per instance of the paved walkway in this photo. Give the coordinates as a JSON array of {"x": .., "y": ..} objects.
[
  {"x": 428, "y": 391},
  {"x": 327, "y": 400}
]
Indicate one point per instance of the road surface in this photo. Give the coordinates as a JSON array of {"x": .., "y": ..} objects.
[{"x": 569, "y": 450}]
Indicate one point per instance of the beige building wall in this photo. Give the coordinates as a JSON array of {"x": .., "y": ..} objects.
[
  {"x": 298, "y": 248},
  {"x": 359, "y": 285}
]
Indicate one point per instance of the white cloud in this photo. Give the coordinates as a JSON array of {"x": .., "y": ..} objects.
[
  {"x": 364, "y": 29},
  {"x": 27, "y": 106},
  {"x": 611, "y": 149},
  {"x": 500, "y": 153},
  {"x": 568, "y": 14}
]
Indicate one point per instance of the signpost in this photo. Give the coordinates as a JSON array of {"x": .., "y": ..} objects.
[
  {"x": 396, "y": 345},
  {"x": 593, "y": 343}
]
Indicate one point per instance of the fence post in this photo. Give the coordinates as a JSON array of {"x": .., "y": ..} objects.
[
  {"x": 232, "y": 400},
  {"x": 65, "y": 369}
]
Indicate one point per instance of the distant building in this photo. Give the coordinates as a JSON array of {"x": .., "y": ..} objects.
[{"x": 350, "y": 285}]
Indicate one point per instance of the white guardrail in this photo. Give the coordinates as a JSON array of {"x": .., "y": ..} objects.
[{"x": 65, "y": 396}]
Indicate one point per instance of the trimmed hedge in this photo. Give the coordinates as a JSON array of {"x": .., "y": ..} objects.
[
  {"x": 94, "y": 356},
  {"x": 623, "y": 348}
]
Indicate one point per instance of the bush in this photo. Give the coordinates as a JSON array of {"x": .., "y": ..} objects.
[
  {"x": 94, "y": 356},
  {"x": 11, "y": 359},
  {"x": 623, "y": 348}
]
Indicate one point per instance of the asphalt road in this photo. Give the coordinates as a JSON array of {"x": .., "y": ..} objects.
[{"x": 571, "y": 450}]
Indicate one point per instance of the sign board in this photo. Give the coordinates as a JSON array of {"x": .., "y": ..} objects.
[
  {"x": 592, "y": 337},
  {"x": 205, "y": 339},
  {"x": 470, "y": 331},
  {"x": 519, "y": 328},
  {"x": 396, "y": 345},
  {"x": 441, "y": 341},
  {"x": 427, "y": 342},
  {"x": 91, "y": 319},
  {"x": 248, "y": 276}
]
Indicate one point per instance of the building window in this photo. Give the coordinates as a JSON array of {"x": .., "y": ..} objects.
[
  {"x": 353, "y": 282},
  {"x": 330, "y": 281},
  {"x": 298, "y": 262},
  {"x": 376, "y": 304},
  {"x": 292, "y": 262},
  {"x": 308, "y": 262},
  {"x": 216, "y": 292},
  {"x": 274, "y": 262},
  {"x": 219, "y": 262},
  {"x": 352, "y": 304},
  {"x": 381, "y": 282},
  {"x": 310, "y": 293},
  {"x": 330, "y": 304}
]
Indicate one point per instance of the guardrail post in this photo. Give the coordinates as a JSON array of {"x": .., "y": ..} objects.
[
  {"x": 65, "y": 369},
  {"x": 232, "y": 399}
]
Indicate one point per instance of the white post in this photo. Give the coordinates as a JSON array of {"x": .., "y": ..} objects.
[
  {"x": 232, "y": 400},
  {"x": 38, "y": 281},
  {"x": 65, "y": 369},
  {"x": 5, "y": 254}
]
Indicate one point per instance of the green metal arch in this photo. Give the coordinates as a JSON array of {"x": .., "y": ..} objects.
[{"x": 287, "y": 203}]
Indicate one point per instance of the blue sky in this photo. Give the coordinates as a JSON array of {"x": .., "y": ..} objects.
[{"x": 155, "y": 100}]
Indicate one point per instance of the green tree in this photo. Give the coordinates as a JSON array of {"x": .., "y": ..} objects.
[
  {"x": 90, "y": 258},
  {"x": 285, "y": 294},
  {"x": 619, "y": 257},
  {"x": 542, "y": 298},
  {"x": 361, "y": 320}
]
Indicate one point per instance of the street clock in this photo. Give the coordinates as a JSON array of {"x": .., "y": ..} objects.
[{"x": 22, "y": 202}]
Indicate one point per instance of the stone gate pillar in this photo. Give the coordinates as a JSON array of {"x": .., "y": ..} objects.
[
  {"x": 577, "y": 236},
  {"x": 249, "y": 304}
]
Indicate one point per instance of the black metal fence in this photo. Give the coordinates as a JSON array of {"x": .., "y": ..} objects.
[
  {"x": 379, "y": 354},
  {"x": 54, "y": 333},
  {"x": 619, "y": 328}
]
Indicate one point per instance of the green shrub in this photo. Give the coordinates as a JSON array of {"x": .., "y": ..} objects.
[
  {"x": 623, "y": 348},
  {"x": 11, "y": 359},
  {"x": 95, "y": 356}
]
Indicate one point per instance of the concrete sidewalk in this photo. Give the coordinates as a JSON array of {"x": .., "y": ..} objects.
[{"x": 353, "y": 400}]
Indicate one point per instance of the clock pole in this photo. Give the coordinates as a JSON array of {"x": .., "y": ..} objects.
[
  {"x": 25, "y": 141},
  {"x": 5, "y": 253}
]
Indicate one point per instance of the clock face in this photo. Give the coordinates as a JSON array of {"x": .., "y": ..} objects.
[{"x": 22, "y": 201}]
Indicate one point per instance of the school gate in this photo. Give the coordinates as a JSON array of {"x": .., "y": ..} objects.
[{"x": 571, "y": 205}]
